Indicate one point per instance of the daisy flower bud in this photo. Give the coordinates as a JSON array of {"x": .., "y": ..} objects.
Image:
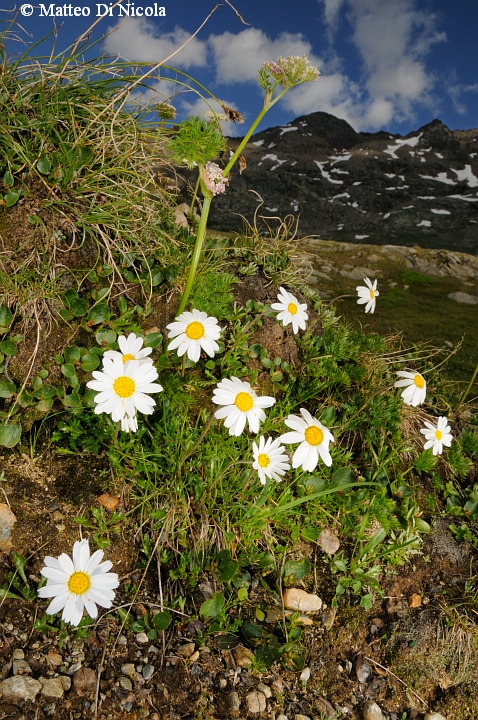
[
  {"x": 415, "y": 387},
  {"x": 437, "y": 435},
  {"x": 368, "y": 295},
  {"x": 130, "y": 348},
  {"x": 240, "y": 404},
  {"x": 291, "y": 311},
  {"x": 192, "y": 332},
  {"x": 78, "y": 584},
  {"x": 314, "y": 439}
]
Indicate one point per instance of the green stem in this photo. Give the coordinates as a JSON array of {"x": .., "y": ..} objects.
[
  {"x": 196, "y": 253},
  {"x": 470, "y": 385},
  {"x": 245, "y": 139}
]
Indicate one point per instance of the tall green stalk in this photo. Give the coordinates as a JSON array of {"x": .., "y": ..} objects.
[{"x": 196, "y": 253}]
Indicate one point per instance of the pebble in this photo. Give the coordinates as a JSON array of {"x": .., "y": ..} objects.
[
  {"x": 18, "y": 654},
  {"x": 125, "y": 683},
  {"x": 49, "y": 709},
  {"x": 233, "y": 701},
  {"x": 128, "y": 669},
  {"x": 153, "y": 649},
  {"x": 122, "y": 640},
  {"x": 194, "y": 656},
  {"x": 298, "y": 716},
  {"x": 186, "y": 650},
  {"x": 7, "y": 520},
  {"x": 363, "y": 670},
  {"x": 277, "y": 686},
  {"x": 328, "y": 618},
  {"x": 265, "y": 690},
  {"x": 305, "y": 676},
  {"x": 434, "y": 716},
  {"x": 147, "y": 671},
  {"x": 54, "y": 659},
  {"x": 142, "y": 637},
  {"x": 371, "y": 711},
  {"x": 256, "y": 702},
  {"x": 52, "y": 687},
  {"x": 328, "y": 541},
  {"x": 281, "y": 717},
  {"x": 20, "y": 687},
  {"x": 222, "y": 683},
  {"x": 243, "y": 656},
  {"x": 73, "y": 668},
  {"x": 21, "y": 667},
  {"x": 295, "y": 599}
]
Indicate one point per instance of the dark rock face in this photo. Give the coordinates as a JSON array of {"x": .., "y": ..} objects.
[{"x": 421, "y": 189}]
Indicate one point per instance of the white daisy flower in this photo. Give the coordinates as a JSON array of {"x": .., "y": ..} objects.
[
  {"x": 74, "y": 585},
  {"x": 269, "y": 459},
  {"x": 437, "y": 435},
  {"x": 192, "y": 332},
  {"x": 291, "y": 311},
  {"x": 415, "y": 387},
  {"x": 368, "y": 295},
  {"x": 130, "y": 350},
  {"x": 313, "y": 437},
  {"x": 241, "y": 404},
  {"x": 123, "y": 388}
]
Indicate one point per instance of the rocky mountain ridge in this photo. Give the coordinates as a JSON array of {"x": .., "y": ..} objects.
[{"x": 378, "y": 188}]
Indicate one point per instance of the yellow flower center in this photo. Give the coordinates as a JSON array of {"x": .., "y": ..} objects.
[
  {"x": 263, "y": 460},
  {"x": 128, "y": 356},
  {"x": 292, "y": 308},
  {"x": 79, "y": 583},
  {"x": 243, "y": 401},
  {"x": 372, "y": 294},
  {"x": 124, "y": 386},
  {"x": 314, "y": 435},
  {"x": 438, "y": 434},
  {"x": 419, "y": 381},
  {"x": 195, "y": 330}
]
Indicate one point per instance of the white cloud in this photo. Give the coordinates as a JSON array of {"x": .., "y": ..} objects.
[
  {"x": 137, "y": 40},
  {"x": 238, "y": 57}
]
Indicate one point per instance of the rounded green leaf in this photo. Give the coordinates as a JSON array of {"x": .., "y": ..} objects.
[
  {"x": 68, "y": 370},
  {"x": 105, "y": 336},
  {"x": 295, "y": 570},
  {"x": 7, "y": 388},
  {"x": 5, "y": 315},
  {"x": 10, "y": 435},
  {"x": 153, "y": 339},
  {"x": 72, "y": 354},
  {"x": 11, "y": 198},
  {"x": 78, "y": 307},
  {"x": 44, "y": 166},
  {"x": 90, "y": 362},
  {"x": 211, "y": 608},
  {"x": 98, "y": 314},
  {"x": 161, "y": 621},
  {"x": 8, "y": 347},
  {"x": 44, "y": 406}
]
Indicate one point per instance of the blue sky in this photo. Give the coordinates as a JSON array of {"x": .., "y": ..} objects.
[{"x": 385, "y": 64}]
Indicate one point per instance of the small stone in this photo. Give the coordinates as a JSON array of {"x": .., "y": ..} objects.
[
  {"x": 222, "y": 683},
  {"x": 125, "y": 683},
  {"x": 65, "y": 681},
  {"x": 233, "y": 701},
  {"x": 84, "y": 682},
  {"x": 128, "y": 669},
  {"x": 465, "y": 298},
  {"x": 128, "y": 706},
  {"x": 434, "y": 716},
  {"x": 49, "y": 709},
  {"x": 414, "y": 600},
  {"x": 265, "y": 690},
  {"x": 243, "y": 656},
  {"x": 142, "y": 637},
  {"x": 277, "y": 686},
  {"x": 281, "y": 717},
  {"x": 7, "y": 520},
  {"x": 295, "y": 599},
  {"x": 147, "y": 671},
  {"x": 186, "y": 650},
  {"x": 328, "y": 541},
  {"x": 298, "y": 716},
  {"x": 52, "y": 687},
  {"x": 20, "y": 687},
  {"x": 153, "y": 649},
  {"x": 54, "y": 659},
  {"x": 363, "y": 670},
  {"x": 21, "y": 667},
  {"x": 122, "y": 640},
  {"x": 328, "y": 618},
  {"x": 371, "y": 711},
  {"x": 18, "y": 654},
  {"x": 256, "y": 702},
  {"x": 74, "y": 668},
  {"x": 194, "y": 656}
]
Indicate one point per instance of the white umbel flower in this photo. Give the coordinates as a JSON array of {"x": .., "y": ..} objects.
[
  {"x": 437, "y": 435},
  {"x": 269, "y": 459},
  {"x": 78, "y": 584},
  {"x": 192, "y": 332},
  {"x": 130, "y": 348},
  {"x": 415, "y": 387},
  {"x": 240, "y": 404},
  {"x": 291, "y": 311},
  {"x": 368, "y": 293},
  {"x": 314, "y": 439},
  {"x": 124, "y": 387}
]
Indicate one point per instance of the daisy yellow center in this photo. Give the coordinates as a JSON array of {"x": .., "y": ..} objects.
[
  {"x": 438, "y": 434},
  {"x": 292, "y": 308},
  {"x": 314, "y": 435},
  {"x": 128, "y": 356},
  {"x": 195, "y": 330},
  {"x": 243, "y": 401},
  {"x": 263, "y": 460},
  {"x": 79, "y": 583},
  {"x": 419, "y": 381},
  {"x": 124, "y": 386},
  {"x": 372, "y": 294}
]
